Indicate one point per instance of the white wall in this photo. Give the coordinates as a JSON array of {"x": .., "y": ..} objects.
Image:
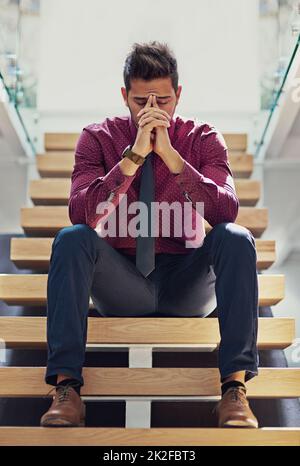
[{"x": 83, "y": 46}]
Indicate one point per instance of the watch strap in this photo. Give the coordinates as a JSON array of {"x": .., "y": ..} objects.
[{"x": 137, "y": 159}]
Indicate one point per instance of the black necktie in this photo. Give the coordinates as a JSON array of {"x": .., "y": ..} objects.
[{"x": 145, "y": 246}]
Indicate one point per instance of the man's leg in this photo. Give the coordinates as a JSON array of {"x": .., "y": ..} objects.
[
  {"x": 232, "y": 249},
  {"x": 227, "y": 262},
  {"x": 72, "y": 265},
  {"x": 69, "y": 281},
  {"x": 221, "y": 272},
  {"x": 83, "y": 265},
  {"x": 233, "y": 253}
]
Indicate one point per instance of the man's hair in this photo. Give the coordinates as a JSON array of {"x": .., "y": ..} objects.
[{"x": 150, "y": 61}]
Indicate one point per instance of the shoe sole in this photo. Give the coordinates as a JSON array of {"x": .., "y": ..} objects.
[
  {"x": 239, "y": 424},
  {"x": 56, "y": 422}
]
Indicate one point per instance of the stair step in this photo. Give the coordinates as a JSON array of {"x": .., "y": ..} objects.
[
  {"x": 67, "y": 141},
  {"x": 56, "y": 191},
  {"x": 271, "y": 382},
  {"x": 60, "y": 164},
  {"x": 55, "y": 164},
  {"x": 275, "y": 333},
  {"x": 31, "y": 289},
  {"x": 34, "y": 253},
  {"x": 48, "y": 220},
  {"x": 236, "y": 141},
  {"x": 60, "y": 141},
  {"x": 115, "y": 436}
]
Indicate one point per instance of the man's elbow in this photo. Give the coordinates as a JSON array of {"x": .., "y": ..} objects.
[
  {"x": 76, "y": 215},
  {"x": 233, "y": 209},
  {"x": 228, "y": 213}
]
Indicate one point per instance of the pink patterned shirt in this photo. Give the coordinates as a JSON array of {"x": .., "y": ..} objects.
[{"x": 206, "y": 177}]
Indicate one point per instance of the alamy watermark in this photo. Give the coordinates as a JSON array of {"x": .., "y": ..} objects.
[{"x": 187, "y": 224}]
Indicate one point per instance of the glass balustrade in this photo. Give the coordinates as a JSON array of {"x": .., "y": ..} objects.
[
  {"x": 19, "y": 32},
  {"x": 279, "y": 37}
]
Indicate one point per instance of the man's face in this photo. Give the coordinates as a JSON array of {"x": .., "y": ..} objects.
[{"x": 137, "y": 97}]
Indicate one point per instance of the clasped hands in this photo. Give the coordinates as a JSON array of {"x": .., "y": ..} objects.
[{"x": 160, "y": 139}]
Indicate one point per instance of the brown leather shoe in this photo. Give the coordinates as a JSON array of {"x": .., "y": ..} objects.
[
  {"x": 233, "y": 409},
  {"x": 66, "y": 410}
]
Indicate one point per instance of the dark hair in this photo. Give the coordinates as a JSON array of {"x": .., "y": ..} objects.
[{"x": 150, "y": 61}]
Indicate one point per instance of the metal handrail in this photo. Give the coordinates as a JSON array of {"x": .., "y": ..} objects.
[
  {"x": 12, "y": 100},
  {"x": 275, "y": 102}
]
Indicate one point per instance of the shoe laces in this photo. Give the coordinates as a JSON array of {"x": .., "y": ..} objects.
[
  {"x": 63, "y": 391},
  {"x": 236, "y": 395}
]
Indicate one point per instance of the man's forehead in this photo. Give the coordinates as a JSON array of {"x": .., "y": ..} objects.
[{"x": 141, "y": 89}]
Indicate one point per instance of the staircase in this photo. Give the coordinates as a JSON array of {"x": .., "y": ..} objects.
[{"x": 140, "y": 383}]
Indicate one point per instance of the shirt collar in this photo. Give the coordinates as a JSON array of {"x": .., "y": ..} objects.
[{"x": 133, "y": 128}]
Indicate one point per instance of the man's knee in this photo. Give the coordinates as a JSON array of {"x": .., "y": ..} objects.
[
  {"x": 73, "y": 235},
  {"x": 235, "y": 234}
]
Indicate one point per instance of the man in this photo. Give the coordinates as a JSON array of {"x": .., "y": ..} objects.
[{"x": 133, "y": 275}]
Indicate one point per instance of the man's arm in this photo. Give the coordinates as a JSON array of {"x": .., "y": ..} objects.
[
  {"x": 91, "y": 185},
  {"x": 212, "y": 181}
]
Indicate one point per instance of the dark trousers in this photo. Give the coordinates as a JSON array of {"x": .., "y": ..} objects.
[{"x": 221, "y": 273}]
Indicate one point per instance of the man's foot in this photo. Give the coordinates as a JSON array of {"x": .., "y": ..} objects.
[
  {"x": 66, "y": 410},
  {"x": 233, "y": 409}
]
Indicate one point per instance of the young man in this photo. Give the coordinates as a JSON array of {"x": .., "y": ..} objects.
[{"x": 139, "y": 275}]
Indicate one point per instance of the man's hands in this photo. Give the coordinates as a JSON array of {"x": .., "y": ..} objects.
[
  {"x": 162, "y": 144},
  {"x": 152, "y": 132},
  {"x": 153, "y": 136}
]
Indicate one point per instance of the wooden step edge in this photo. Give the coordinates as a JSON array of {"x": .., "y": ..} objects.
[
  {"x": 31, "y": 289},
  {"x": 67, "y": 141},
  {"x": 155, "y": 436},
  {"x": 35, "y": 220},
  {"x": 34, "y": 253},
  {"x": 56, "y": 191},
  {"x": 273, "y": 332},
  {"x": 274, "y": 382},
  {"x": 53, "y": 164}
]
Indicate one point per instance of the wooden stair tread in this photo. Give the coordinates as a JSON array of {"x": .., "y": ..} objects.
[
  {"x": 31, "y": 331},
  {"x": 57, "y": 165},
  {"x": 31, "y": 289},
  {"x": 159, "y": 436},
  {"x": 60, "y": 164},
  {"x": 34, "y": 253},
  {"x": 236, "y": 141},
  {"x": 56, "y": 191},
  {"x": 67, "y": 141},
  {"x": 48, "y": 220},
  {"x": 271, "y": 382}
]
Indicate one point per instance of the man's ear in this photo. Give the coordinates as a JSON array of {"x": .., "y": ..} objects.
[
  {"x": 124, "y": 94},
  {"x": 179, "y": 89}
]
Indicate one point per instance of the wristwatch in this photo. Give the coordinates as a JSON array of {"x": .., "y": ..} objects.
[{"x": 137, "y": 159}]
